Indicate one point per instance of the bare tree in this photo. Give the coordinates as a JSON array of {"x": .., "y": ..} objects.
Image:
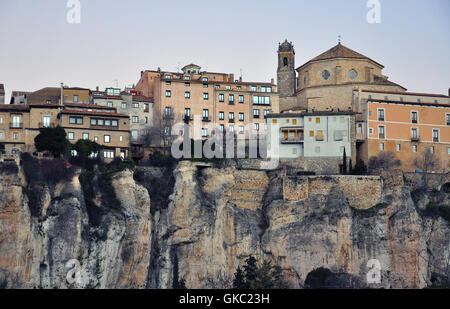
[
  {"x": 427, "y": 162},
  {"x": 384, "y": 160}
]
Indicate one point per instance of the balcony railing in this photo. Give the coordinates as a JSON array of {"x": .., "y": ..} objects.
[
  {"x": 414, "y": 139},
  {"x": 436, "y": 139},
  {"x": 382, "y": 136},
  {"x": 16, "y": 125},
  {"x": 231, "y": 102},
  {"x": 206, "y": 119},
  {"x": 187, "y": 118},
  {"x": 380, "y": 118},
  {"x": 292, "y": 140},
  {"x": 231, "y": 120},
  {"x": 46, "y": 125}
]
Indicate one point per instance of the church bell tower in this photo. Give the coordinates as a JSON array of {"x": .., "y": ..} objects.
[{"x": 286, "y": 75}]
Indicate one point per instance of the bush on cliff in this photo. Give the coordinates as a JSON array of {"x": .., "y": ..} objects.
[
  {"x": 46, "y": 171},
  {"x": 262, "y": 276}
]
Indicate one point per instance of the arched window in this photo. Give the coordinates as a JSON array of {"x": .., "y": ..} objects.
[{"x": 285, "y": 61}]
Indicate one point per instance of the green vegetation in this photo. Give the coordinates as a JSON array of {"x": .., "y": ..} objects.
[
  {"x": 52, "y": 140},
  {"x": 263, "y": 276}
]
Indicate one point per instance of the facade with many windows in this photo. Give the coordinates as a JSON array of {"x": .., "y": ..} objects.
[
  {"x": 404, "y": 123},
  {"x": 215, "y": 98}
]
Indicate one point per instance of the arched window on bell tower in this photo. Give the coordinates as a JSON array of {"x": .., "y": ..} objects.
[{"x": 285, "y": 61}]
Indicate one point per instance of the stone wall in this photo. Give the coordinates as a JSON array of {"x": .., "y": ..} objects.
[
  {"x": 433, "y": 181},
  {"x": 362, "y": 192}
]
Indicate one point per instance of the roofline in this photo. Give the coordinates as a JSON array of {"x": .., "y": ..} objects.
[
  {"x": 408, "y": 103},
  {"x": 348, "y": 83},
  {"x": 312, "y": 113},
  {"x": 337, "y": 58},
  {"x": 409, "y": 93}
]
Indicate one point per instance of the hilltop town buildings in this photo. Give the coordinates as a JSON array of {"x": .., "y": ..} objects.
[
  {"x": 216, "y": 98},
  {"x": 386, "y": 116}
]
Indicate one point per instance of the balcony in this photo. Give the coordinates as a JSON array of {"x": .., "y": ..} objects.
[
  {"x": 435, "y": 139},
  {"x": 187, "y": 118},
  {"x": 231, "y": 120},
  {"x": 46, "y": 125},
  {"x": 206, "y": 119},
  {"x": 415, "y": 139},
  {"x": 380, "y": 118},
  {"x": 256, "y": 116},
  {"x": 16, "y": 125},
  {"x": 382, "y": 136},
  {"x": 292, "y": 140},
  {"x": 168, "y": 116},
  {"x": 231, "y": 102}
]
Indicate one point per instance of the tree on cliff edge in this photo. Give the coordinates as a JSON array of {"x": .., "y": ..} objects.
[{"x": 52, "y": 140}]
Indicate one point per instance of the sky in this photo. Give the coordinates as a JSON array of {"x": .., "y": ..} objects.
[{"x": 115, "y": 40}]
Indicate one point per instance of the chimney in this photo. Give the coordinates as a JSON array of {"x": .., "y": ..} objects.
[
  {"x": 449, "y": 92},
  {"x": 272, "y": 81},
  {"x": 231, "y": 77},
  {"x": 240, "y": 80},
  {"x": 96, "y": 88}
]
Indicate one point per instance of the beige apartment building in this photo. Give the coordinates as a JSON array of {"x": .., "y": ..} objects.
[{"x": 215, "y": 98}]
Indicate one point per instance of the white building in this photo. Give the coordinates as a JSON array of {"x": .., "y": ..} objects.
[{"x": 310, "y": 135}]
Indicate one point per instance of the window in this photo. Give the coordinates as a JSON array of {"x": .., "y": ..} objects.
[
  {"x": 261, "y": 100},
  {"x": 75, "y": 120},
  {"x": 414, "y": 148},
  {"x": 109, "y": 104},
  {"x": 205, "y": 96},
  {"x": 241, "y": 116},
  {"x": 85, "y": 135},
  {"x": 168, "y": 83},
  {"x": 382, "y": 146},
  {"x": 317, "y": 120},
  {"x": 317, "y": 149},
  {"x": 432, "y": 149},
  {"x": 253, "y": 88},
  {"x": 75, "y": 98},
  {"x": 100, "y": 122},
  {"x": 205, "y": 85},
  {"x": 241, "y": 99},
  {"x": 266, "y": 89},
  {"x": 71, "y": 135},
  {"x": 187, "y": 95},
  {"x": 205, "y": 79},
  {"x": 319, "y": 135},
  {"x": 187, "y": 78},
  {"x": 311, "y": 133},
  {"x": 370, "y": 130},
  {"x": 381, "y": 132},
  {"x": 414, "y": 134},
  {"x": 221, "y": 115},
  {"x": 135, "y": 119},
  {"x": 15, "y": 136},
  {"x": 187, "y": 112},
  {"x": 231, "y": 128},
  {"x": 256, "y": 126},
  {"x": 414, "y": 118},
  {"x": 96, "y": 139},
  {"x": 221, "y": 97},
  {"x": 231, "y": 116},
  {"x": 241, "y": 129},
  {"x": 168, "y": 111},
  {"x": 448, "y": 151},
  {"x": 274, "y": 121},
  {"x": 285, "y": 61},
  {"x": 168, "y": 76},
  {"x": 352, "y": 74},
  {"x": 435, "y": 135},
  {"x": 205, "y": 114},
  {"x": 231, "y": 98},
  {"x": 168, "y": 93},
  {"x": 204, "y": 132},
  {"x": 166, "y": 130},
  {"x": 135, "y": 105},
  {"x": 238, "y": 87},
  {"x": 121, "y": 138},
  {"x": 256, "y": 113},
  {"x": 266, "y": 112},
  {"x": 326, "y": 75},
  {"x": 447, "y": 116},
  {"x": 124, "y": 105},
  {"x": 221, "y": 127},
  {"x": 398, "y": 147},
  {"x": 114, "y": 123},
  {"x": 46, "y": 121},
  {"x": 108, "y": 154},
  {"x": 187, "y": 84},
  {"x": 380, "y": 114},
  {"x": 227, "y": 87},
  {"x": 107, "y": 138},
  {"x": 217, "y": 86}
]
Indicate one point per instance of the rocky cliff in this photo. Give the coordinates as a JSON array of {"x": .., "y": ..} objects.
[{"x": 203, "y": 222}]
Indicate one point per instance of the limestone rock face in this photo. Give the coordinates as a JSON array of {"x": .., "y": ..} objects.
[
  {"x": 203, "y": 222},
  {"x": 45, "y": 240}
]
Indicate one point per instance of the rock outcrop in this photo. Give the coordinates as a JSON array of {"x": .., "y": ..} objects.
[{"x": 203, "y": 222}]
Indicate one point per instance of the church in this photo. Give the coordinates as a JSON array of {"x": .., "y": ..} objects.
[{"x": 386, "y": 116}]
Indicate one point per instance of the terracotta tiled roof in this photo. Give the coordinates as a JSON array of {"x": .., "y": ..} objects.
[
  {"x": 77, "y": 112},
  {"x": 14, "y": 107},
  {"x": 377, "y": 80},
  {"x": 86, "y": 105},
  {"x": 142, "y": 98},
  {"x": 409, "y": 93},
  {"x": 43, "y": 95},
  {"x": 339, "y": 51}
]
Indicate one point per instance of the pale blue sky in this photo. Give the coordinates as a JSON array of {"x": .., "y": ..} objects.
[{"x": 117, "y": 39}]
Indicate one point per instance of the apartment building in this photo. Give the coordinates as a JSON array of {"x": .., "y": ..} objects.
[
  {"x": 2, "y": 94},
  {"x": 20, "y": 123},
  {"x": 405, "y": 123},
  {"x": 216, "y": 98},
  {"x": 310, "y": 134}
]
